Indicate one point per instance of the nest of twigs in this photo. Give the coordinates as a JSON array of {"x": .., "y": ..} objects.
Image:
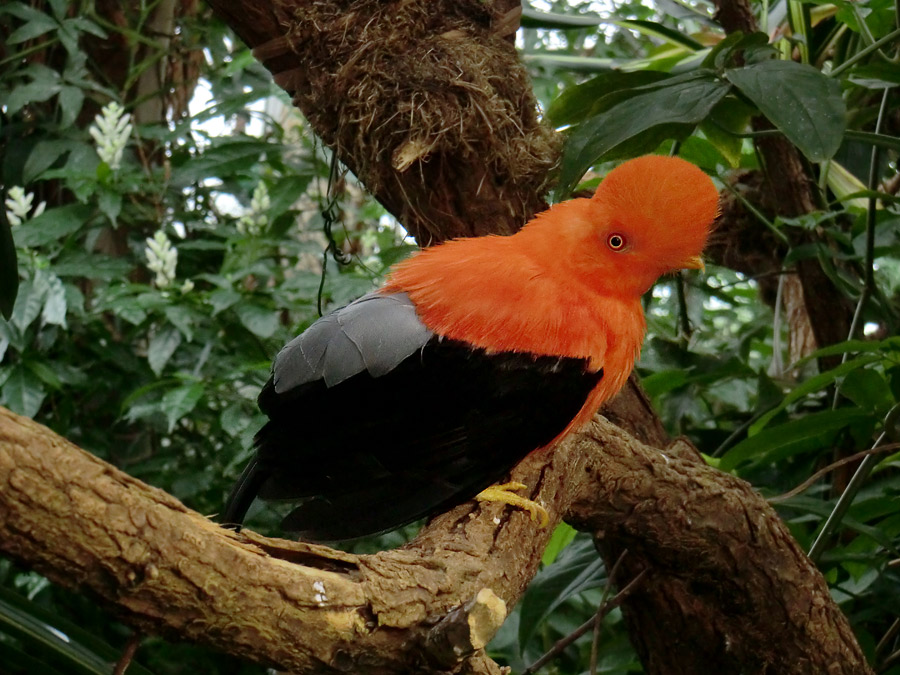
[{"x": 426, "y": 100}]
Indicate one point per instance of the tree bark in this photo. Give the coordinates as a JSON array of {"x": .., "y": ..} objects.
[
  {"x": 427, "y": 103},
  {"x": 307, "y": 608}
]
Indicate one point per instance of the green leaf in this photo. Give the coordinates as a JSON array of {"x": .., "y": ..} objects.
[
  {"x": 110, "y": 203},
  {"x": 876, "y": 75},
  {"x": 578, "y": 568},
  {"x": 223, "y": 298},
  {"x": 70, "y": 101},
  {"x": 161, "y": 348},
  {"x": 809, "y": 432},
  {"x": 224, "y": 156},
  {"x": 52, "y": 225},
  {"x": 868, "y": 389},
  {"x": 532, "y": 18},
  {"x": 37, "y": 25},
  {"x": 57, "y": 640},
  {"x": 881, "y": 140},
  {"x": 579, "y": 101},
  {"x": 799, "y": 100},
  {"x": 812, "y": 384},
  {"x": 658, "y": 30},
  {"x": 749, "y": 45},
  {"x": 30, "y": 300},
  {"x": 42, "y": 156},
  {"x": 562, "y": 536},
  {"x": 23, "y": 392},
  {"x": 258, "y": 320},
  {"x": 730, "y": 117},
  {"x": 178, "y": 402},
  {"x": 9, "y": 264},
  {"x": 183, "y": 319},
  {"x": 577, "y": 64},
  {"x": 638, "y": 124}
]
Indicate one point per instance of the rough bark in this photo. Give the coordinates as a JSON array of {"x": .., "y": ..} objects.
[
  {"x": 169, "y": 570},
  {"x": 426, "y": 102}
]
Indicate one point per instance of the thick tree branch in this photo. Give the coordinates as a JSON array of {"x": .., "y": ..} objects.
[{"x": 169, "y": 570}]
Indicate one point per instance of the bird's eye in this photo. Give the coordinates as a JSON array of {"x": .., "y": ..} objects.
[{"x": 615, "y": 241}]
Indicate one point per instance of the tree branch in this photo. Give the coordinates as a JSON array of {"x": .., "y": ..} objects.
[{"x": 307, "y": 608}]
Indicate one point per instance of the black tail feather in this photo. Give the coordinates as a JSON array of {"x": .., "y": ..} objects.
[{"x": 242, "y": 495}]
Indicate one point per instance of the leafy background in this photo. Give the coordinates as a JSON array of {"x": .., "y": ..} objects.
[{"x": 162, "y": 381}]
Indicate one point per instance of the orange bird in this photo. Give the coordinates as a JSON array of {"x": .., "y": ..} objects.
[{"x": 475, "y": 353}]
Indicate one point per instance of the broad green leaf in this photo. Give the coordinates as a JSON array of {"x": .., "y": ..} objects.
[
  {"x": 813, "y": 384},
  {"x": 723, "y": 53},
  {"x": 30, "y": 301},
  {"x": 52, "y": 225},
  {"x": 802, "y": 434},
  {"x": 258, "y": 320},
  {"x": 110, "y": 203},
  {"x": 177, "y": 403},
  {"x": 730, "y": 117},
  {"x": 161, "y": 348},
  {"x": 234, "y": 420},
  {"x": 224, "y": 156},
  {"x": 659, "y": 111},
  {"x": 799, "y": 100},
  {"x": 23, "y": 392},
  {"x": 868, "y": 389},
  {"x": 182, "y": 318},
  {"x": 881, "y": 140},
  {"x": 38, "y": 25},
  {"x": 9, "y": 265},
  {"x": 92, "y": 266},
  {"x": 70, "y": 101},
  {"x": 580, "y": 101},
  {"x": 42, "y": 156},
  {"x": 223, "y": 298}
]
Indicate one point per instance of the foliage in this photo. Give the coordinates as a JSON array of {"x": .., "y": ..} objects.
[{"x": 160, "y": 279}]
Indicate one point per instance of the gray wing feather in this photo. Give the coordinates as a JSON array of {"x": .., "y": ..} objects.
[{"x": 374, "y": 333}]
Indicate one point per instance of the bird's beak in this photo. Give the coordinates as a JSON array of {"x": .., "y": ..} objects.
[{"x": 693, "y": 263}]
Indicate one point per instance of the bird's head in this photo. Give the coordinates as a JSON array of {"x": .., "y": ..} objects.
[{"x": 649, "y": 216}]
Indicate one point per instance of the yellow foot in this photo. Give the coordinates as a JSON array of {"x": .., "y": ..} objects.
[{"x": 504, "y": 493}]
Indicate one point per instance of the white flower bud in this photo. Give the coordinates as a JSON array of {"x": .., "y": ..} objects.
[
  {"x": 162, "y": 258},
  {"x": 110, "y": 131},
  {"x": 18, "y": 204}
]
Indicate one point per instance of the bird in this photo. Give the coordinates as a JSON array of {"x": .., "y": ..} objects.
[{"x": 473, "y": 354}]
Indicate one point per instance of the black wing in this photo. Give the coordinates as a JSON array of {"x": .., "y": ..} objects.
[{"x": 372, "y": 452}]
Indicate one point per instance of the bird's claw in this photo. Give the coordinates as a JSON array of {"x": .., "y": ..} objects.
[{"x": 503, "y": 493}]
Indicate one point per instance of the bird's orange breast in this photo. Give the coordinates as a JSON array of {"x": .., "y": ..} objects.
[{"x": 489, "y": 293}]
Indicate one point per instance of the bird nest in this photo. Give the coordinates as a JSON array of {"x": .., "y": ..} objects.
[{"x": 424, "y": 89}]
